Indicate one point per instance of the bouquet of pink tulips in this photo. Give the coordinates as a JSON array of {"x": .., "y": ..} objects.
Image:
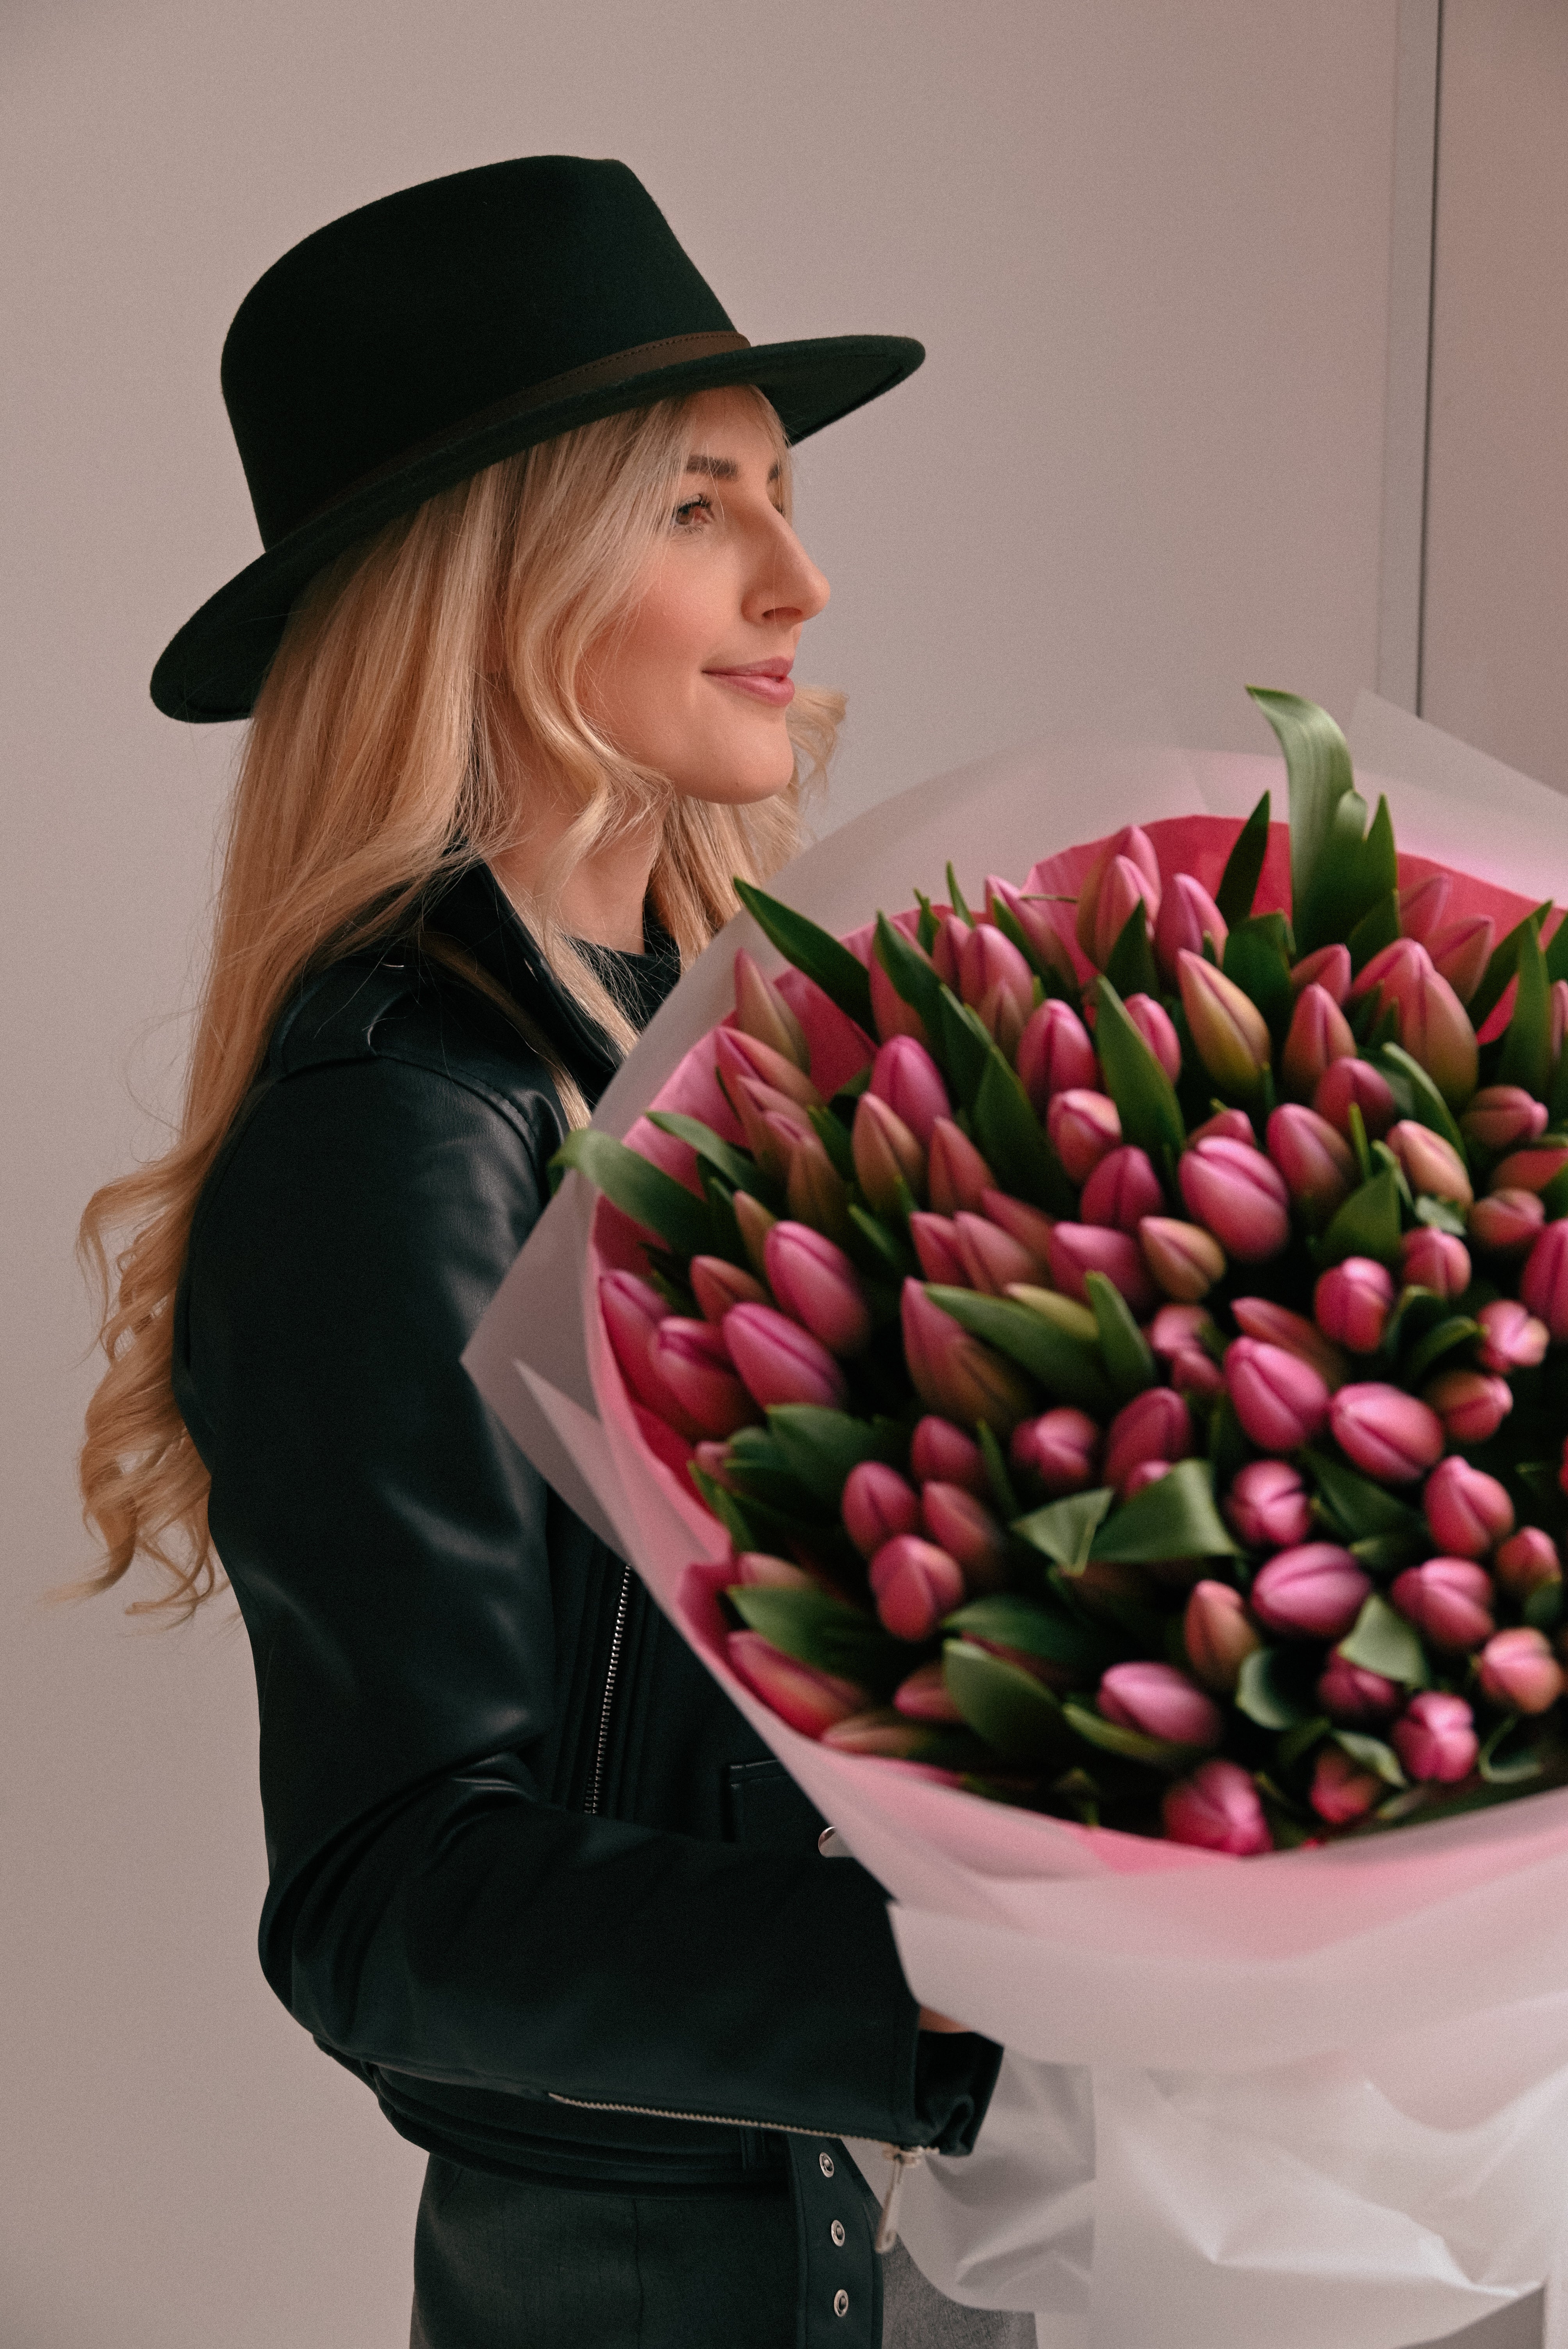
[{"x": 1121, "y": 1327}]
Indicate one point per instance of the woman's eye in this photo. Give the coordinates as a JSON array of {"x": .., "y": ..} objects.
[{"x": 686, "y": 515}]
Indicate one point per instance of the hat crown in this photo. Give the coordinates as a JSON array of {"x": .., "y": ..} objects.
[{"x": 398, "y": 323}]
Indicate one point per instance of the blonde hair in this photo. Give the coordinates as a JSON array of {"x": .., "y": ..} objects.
[{"x": 388, "y": 750}]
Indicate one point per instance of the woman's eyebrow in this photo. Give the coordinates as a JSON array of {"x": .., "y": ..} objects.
[{"x": 723, "y": 469}]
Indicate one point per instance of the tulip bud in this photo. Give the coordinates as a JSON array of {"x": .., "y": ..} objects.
[
  {"x": 1123, "y": 1190},
  {"x": 878, "y": 1730},
  {"x": 1083, "y": 1127},
  {"x": 809, "y": 1700},
  {"x": 1543, "y": 1284},
  {"x": 956, "y": 1176},
  {"x": 817, "y": 1285},
  {"x": 1422, "y": 904},
  {"x": 744, "y": 1056},
  {"x": 1054, "y": 1055},
  {"x": 1155, "y": 1025},
  {"x": 814, "y": 1190},
  {"x": 1506, "y": 1223},
  {"x": 1281, "y": 1400},
  {"x": 1225, "y": 1125},
  {"x": 1318, "y": 1164},
  {"x": 1518, "y": 1670},
  {"x": 993, "y": 1261},
  {"x": 966, "y": 1528},
  {"x": 1432, "y": 1167},
  {"x": 1155, "y": 1425},
  {"x": 1436, "y": 1740},
  {"x": 1061, "y": 1450},
  {"x": 694, "y": 1362},
  {"x": 1161, "y": 1701},
  {"x": 633, "y": 1312},
  {"x": 1511, "y": 1339},
  {"x": 1218, "y": 1809},
  {"x": 904, "y": 1075},
  {"x": 1125, "y": 870},
  {"x": 717, "y": 1285},
  {"x": 779, "y": 1360},
  {"x": 955, "y": 1373},
  {"x": 925, "y": 1696},
  {"x": 1559, "y": 1013},
  {"x": 1355, "y": 1084},
  {"x": 1387, "y": 1432},
  {"x": 1183, "y": 1259},
  {"x": 1150, "y": 1472},
  {"x": 1527, "y": 1562},
  {"x": 1315, "y": 1592},
  {"x": 760, "y": 1011},
  {"x": 1529, "y": 1170},
  {"x": 886, "y": 1154},
  {"x": 1352, "y": 1303},
  {"x": 1218, "y": 1635},
  {"x": 951, "y": 938},
  {"x": 1176, "y": 1328},
  {"x": 1449, "y": 1599},
  {"x": 1078, "y": 1249},
  {"x": 1435, "y": 1030},
  {"x": 1461, "y": 952},
  {"x": 1035, "y": 917},
  {"x": 758, "y": 1571},
  {"x": 875, "y": 1505},
  {"x": 1319, "y": 1034},
  {"x": 915, "y": 1584},
  {"x": 1268, "y": 1508},
  {"x": 1342, "y": 1791},
  {"x": 1188, "y": 915},
  {"x": 1502, "y": 1117},
  {"x": 1354, "y": 1697},
  {"x": 1329, "y": 968},
  {"x": 936, "y": 1243},
  {"x": 1237, "y": 1193},
  {"x": 1028, "y": 1226},
  {"x": 891, "y": 1015},
  {"x": 1193, "y": 1373},
  {"x": 941, "y": 1454},
  {"x": 1435, "y": 1260},
  {"x": 755, "y": 1224},
  {"x": 1230, "y": 1034},
  {"x": 773, "y": 1123},
  {"x": 1276, "y": 1325},
  {"x": 1472, "y": 1404},
  {"x": 996, "y": 981}
]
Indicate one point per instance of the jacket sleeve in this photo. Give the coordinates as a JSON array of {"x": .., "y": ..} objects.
[{"x": 431, "y": 1912}]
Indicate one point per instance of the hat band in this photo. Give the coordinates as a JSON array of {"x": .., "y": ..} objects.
[{"x": 598, "y": 375}]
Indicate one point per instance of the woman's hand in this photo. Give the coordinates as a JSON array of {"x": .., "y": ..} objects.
[{"x": 930, "y": 2021}]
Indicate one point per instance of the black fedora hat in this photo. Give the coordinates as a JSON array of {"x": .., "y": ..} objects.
[{"x": 404, "y": 346}]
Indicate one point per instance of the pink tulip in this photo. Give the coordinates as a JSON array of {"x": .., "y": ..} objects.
[
  {"x": 1435, "y": 1260},
  {"x": 663, "y": 1441},
  {"x": 815, "y": 1192},
  {"x": 633, "y": 1312},
  {"x": 1176, "y": 1328},
  {"x": 1105, "y": 894},
  {"x": 953, "y": 1373},
  {"x": 951, "y": 939},
  {"x": 1460, "y": 953},
  {"x": 1529, "y": 1170},
  {"x": 1472, "y": 1404},
  {"x": 1218, "y": 1809},
  {"x": 1559, "y": 1009},
  {"x": 1035, "y": 917},
  {"x": 941, "y": 1454},
  {"x": 1276, "y": 1325},
  {"x": 1433, "y": 1025},
  {"x": 1502, "y": 1117},
  {"x": 1329, "y": 968},
  {"x": 1155, "y": 1425},
  {"x": 1348, "y": 1084},
  {"x": 904, "y": 1075},
  {"x": 1511, "y": 1339},
  {"x": 1387, "y": 1432},
  {"x": 1436, "y": 1740},
  {"x": 1319, "y": 1034},
  {"x": 1230, "y": 1034},
  {"x": 1267, "y": 1506},
  {"x": 1188, "y": 915},
  {"x": 1281, "y": 1400},
  {"x": 1083, "y": 1127},
  {"x": 1342, "y": 1791},
  {"x": 915, "y": 1584},
  {"x": 1352, "y": 1302},
  {"x": 956, "y": 1176},
  {"x": 1422, "y": 904},
  {"x": 876, "y": 1505},
  {"x": 817, "y": 1285},
  {"x": 744, "y": 1056},
  {"x": 1237, "y": 1193},
  {"x": 891, "y": 1015},
  {"x": 993, "y": 1261},
  {"x": 1468, "y": 1511},
  {"x": 758, "y": 1571},
  {"x": 1061, "y": 1450},
  {"x": 935, "y": 1242},
  {"x": 1318, "y": 1164},
  {"x": 925, "y": 1696},
  {"x": 1449, "y": 1601},
  {"x": 1527, "y": 1562},
  {"x": 1543, "y": 1284},
  {"x": 1194, "y": 1373},
  {"x": 966, "y": 1528},
  {"x": 1148, "y": 1472},
  {"x": 1121, "y": 892},
  {"x": 1158, "y": 1030},
  {"x": 1433, "y": 1168},
  {"x": 1225, "y": 1125},
  {"x": 886, "y": 1154},
  {"x": 772, "y": 1122},
  {"x": 1518, "y": 1668},
  {"x": 1123, "y": 1190},
  {"x": 809, "y": 1700},
  {"x": 760, "y": 1011},
  {"x": 1161, "y": 1701},
  {"x": 878, "y": 1730},
  {"x": 779, "y": 1361},
  {"x": 1315, "y": 1592},
  {"x": 1218, "y": 1635},
  {"x": 717, "y": 1285},
  {"x": 1054, "y": 1055},
  {"x": 695, "y": 1362},
  {"x": 1028, "y": 1225},
  {"x": 1507, "y": 1223},
  {"x": 1078, "y": 1249},
  {"x": 996, "y": 981},
  {"x": 1185, "y": 1260},
  {"x": 1354, "y": 1697}
]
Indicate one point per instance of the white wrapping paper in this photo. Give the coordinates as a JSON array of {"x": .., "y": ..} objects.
[{"x": 1316, "y": 2101}]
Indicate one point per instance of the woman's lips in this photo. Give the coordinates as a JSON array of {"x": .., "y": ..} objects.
[{"x": 765, "y": 681}]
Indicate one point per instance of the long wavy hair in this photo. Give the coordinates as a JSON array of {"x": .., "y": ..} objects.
[{"x": 391, "y": 747}]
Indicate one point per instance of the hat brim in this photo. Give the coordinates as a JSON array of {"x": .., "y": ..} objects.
[{"x": 213, "y": 670}]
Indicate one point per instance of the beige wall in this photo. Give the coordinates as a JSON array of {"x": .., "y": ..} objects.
[{"x": 1148, "y": 246}]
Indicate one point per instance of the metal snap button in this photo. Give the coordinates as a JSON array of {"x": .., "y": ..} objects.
[
  {"x": 826, "y": 2160},
  {"x": 837, "y": 2232},
  {"x": 840, "y": 2303}
]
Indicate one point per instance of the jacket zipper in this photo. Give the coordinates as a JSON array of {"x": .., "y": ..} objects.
[{"x": 616, "y": 1641}]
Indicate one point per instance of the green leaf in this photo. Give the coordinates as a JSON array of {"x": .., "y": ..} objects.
[
  {"x": 820, "y": 1446},
  {"x": 1382, "y": 1641},
  {"x": 1002, "y": 1491},
  {"x": 1557, "y": 952},
  {"x": 1507, "y": 1771},
  {"x": 1366, "y": 1223},
  {"x": 1457, "y": 1329},
  {"x": 1129, "y": 966},
  {"x": 1069, "y": 1371},
  {"x": 824, "y": 1632},
  {"x": 1269, "y": 1690},
  {"x": 819, "y": 956},
  {"x": 1007, "y": 922},
  {"x": 1132, "y": 1744},
  {"x": 1426, "y": 1105},
  {"x": 1378, "y": 928},
  {"x": 1503, "y": 964},
  {"x": 1145, "y": 1099},
  {"x": 964, "y": 1045},
  {"x": 834, "y": 1136},
  {"x": 1174, "y": 1517},
  {"x": 735, "y": 1165},
  {"x": 1127, "y": 1357},
  {"x": 1527, "y": 1041},
  {"x": 1443, "y": 1216},
  {"x": 1542, "y": 1609},
  {"x": 1045, "y": 1631},
  {"x": 1255, "y": 959},
  {"x": 912, "y": 976},
  {"x": 1372, "y": 1754},
  {"x": 755, "y": 1467},
  {"x": 1004, "y": 1704},
  {"x": 640, "y": 1189},
  {"x": 879, "y": 1251},
  {"x": 1326, "y": 833},
  {"x": 1065, "y": 1530},
  {"x": 1359, "y": 1507},
  {"x": 956, "y": 898},
  {"x": 1245, "y": 864},
  {"x": 1013, "y": 1144}
]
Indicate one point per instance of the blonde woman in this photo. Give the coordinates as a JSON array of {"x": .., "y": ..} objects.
[{"x": 516, "y": 662}]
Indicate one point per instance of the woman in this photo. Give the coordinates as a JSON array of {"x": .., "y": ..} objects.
[{"x": 516, "y": 660}]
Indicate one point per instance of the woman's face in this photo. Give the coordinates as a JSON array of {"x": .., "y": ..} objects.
[{"x": 695, "y": 683}]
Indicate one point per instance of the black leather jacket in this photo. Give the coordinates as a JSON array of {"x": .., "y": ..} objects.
[{"x": 533, "y": 1877}]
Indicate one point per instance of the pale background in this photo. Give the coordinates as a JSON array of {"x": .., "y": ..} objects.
[{"x": 1149, "y": 247}]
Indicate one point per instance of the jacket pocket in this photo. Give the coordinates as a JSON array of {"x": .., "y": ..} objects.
[{"x": 767, "y": 1810}]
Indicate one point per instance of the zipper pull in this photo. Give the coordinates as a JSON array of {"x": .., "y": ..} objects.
[{"x": 902, "y": 2158}]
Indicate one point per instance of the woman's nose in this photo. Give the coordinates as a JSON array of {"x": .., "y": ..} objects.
[{"x": 787, "y": 584}]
